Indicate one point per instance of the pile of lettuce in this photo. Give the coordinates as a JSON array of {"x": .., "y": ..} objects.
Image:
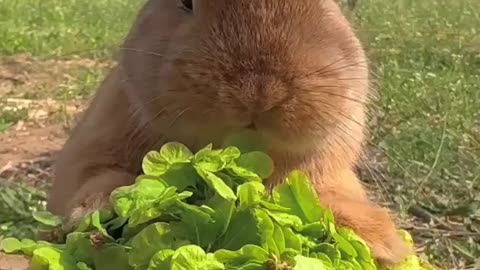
[{"x": 206, "y": 211}]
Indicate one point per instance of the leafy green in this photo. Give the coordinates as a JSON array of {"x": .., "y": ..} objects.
[
  {"x": 17, "y": 202},
  {"x": 10, "y": 245},
  {"x": 207, "y": 210},
  {"x": 194, "y": 258},
  {"x": 250, "y": 194},
  {"x": 298, "y": 195},
  {"x": 247, "y": 254},
  {"x": 176, "y": 153},
  {"x": 103, "y": 259},
  {"x": 161, "y": 260},
  {"x": 197, "y": 225},
  {"x": 47, "y": 218},
  {"x": 304, "y": 263},
  {"x": 257, "y": 162},
  {"x": 154, "y": 164},
  {"x": 52, "y": 258},
  {"x": 149, "y": 241},
  {"x": 217, "y": 184}
]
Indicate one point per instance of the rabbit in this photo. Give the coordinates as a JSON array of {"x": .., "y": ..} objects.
[{"x": 193, "y": 71}]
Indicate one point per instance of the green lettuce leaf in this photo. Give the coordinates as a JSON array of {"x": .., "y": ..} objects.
[
  {"x": 298, "y": 195},
  {"x": 176, "y": 153},
  {"x": 243, "y": 230},
  {"x": 47, "y": 218},
  {"x": 161, "y": 260},
  {"x": 148, "y": 242},
  {"x": 154, "y": 164},
  {"x": 194, "y": 258},
  {"x": 10, "y": 245},
  {"x": 257, "y": 162},
  {"x": 208, "y": 210},
  {"x": 217, "y": 184},
  {"x": 250, "y": 194},
  {"x": 196, "y": 226},
  {"x": 103, "y": 259},
  {"x": 305, "y": 263},
  {"x": 248, "y": 254},
  {"x": 52, "y": 259},
  {"x": 144, "y": 192}
]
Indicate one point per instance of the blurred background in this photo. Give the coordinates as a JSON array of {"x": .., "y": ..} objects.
[{"x": 422, "y": 160}]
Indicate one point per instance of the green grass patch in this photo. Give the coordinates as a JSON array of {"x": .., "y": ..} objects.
[
  {"x": 17, "y": 202},
  {"x": 83, "y": 85},
  {"x": 59, "y": 28},
  {"x": 10, "y": 116},
  {"x": 426, "y": 58}
]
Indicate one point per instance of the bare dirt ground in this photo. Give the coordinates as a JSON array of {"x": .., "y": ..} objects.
[
  {"x": 14, "y": 262},
  {"x": 28, "y": 154},
  {"x": 21, "y": 74},
  {"x": 39, "y": 121}
]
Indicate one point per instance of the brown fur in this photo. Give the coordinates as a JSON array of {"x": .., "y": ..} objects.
[{"x": 292, "y": 69}]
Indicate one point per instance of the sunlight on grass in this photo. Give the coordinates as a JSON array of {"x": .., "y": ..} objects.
[
  {"x": 427, "y": 67},
  {"x": 60, "y": 27},
  {"x": 426, "y": 57}
]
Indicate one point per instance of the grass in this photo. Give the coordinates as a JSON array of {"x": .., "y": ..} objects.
[
  {"x": 17, "y": 202},
  {"x": 47, "y": 28},
  {"x": 426, "y": 61},
  {"x": 426, "y": 57},
  {"x": 10, "y": 116}
]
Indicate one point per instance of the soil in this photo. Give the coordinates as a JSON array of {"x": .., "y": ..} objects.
[
  {"x": 24, "y": 145},
  {"x": 27, "y": 148},
  {"x": 21, "y": 73},
  {"x": 28, "y": 155},
  {"x": 14, "y": 262}
]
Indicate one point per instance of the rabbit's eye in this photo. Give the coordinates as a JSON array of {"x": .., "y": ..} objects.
[{"x": 187, "y": 4}]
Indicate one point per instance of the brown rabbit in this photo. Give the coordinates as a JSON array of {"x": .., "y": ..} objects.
[{"x": 194, "y": 72}]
